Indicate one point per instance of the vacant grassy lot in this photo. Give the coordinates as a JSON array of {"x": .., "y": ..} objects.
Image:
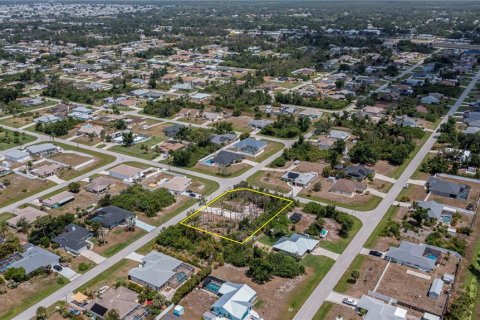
[
  {"x": 21, "y": 188},
  {"x": 137, "y": 151},
  {"x": 28, "y": 293},
  {"x": 10, "y": 139}
]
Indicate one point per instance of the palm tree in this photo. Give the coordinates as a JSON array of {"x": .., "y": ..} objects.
[
  {"x": 41, "y": 313},
  {"x": 159, "y": 301}
]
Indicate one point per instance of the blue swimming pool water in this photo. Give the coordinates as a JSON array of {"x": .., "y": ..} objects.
[
  {"x": 447, "y": 219},
  {"x": 431, "y": 256},
  {"x": 208, "y": 162},
  {"x": 212, "y": 287}
]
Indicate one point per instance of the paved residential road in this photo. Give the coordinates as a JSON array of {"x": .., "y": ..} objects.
[{"x": 370, "y": 221}]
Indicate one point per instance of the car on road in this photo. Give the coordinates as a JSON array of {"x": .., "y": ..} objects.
[
  {"x": 375, "y": 253},
  {"x": 349, "y": 302},
  {"x": 296, "y": 162},
  {"x": 57, "y": 268}
]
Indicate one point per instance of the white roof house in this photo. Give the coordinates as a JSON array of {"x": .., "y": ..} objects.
[
  {"x": 378, "y": 310},
  {"x": 296, "y": 244},
  {"x": 337, "y": 134},
  {"x": 236, "y": 301},
  {"x": 17, "y": 155}
]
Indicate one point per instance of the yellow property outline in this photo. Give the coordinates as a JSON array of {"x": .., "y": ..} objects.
[{"x": 183, "y": 222}]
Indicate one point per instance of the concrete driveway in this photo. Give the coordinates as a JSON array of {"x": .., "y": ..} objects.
[
  {"x": 95, "y": 257},
  {"x": 337, "y": 298},
  {"x": 68, "y": 273},
  {"x": 143, "y": 225}
]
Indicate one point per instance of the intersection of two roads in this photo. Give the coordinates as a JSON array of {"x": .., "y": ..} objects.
[{"x": 370, "y": 219}]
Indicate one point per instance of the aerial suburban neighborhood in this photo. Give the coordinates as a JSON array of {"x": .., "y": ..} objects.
[{"x": 239, "y": 160}]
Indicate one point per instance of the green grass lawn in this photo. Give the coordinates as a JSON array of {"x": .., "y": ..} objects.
[
  {"x": 380, "y": 227},
  {"x": 5, "y": 216},
  {"x": 273, "y": 148},
  {"x": 231, "y": 174},
  {"x": 119, "y": 246},
  {"x": 323, "y": 311},
  {"x": 9, "y": 140},
  {"x": 137, "y": 151},
  {"x": 343, "y": 285},
  {"x": 23, "y": 305},
  {"x": 398, "y": 171},
  {"x": 254, "y": 179},
  {"x": 339, "y": 245},
  {"x": 109, "y": 273},
  {"x": 266, "y": 240},
  {"x": 320, "y": 265},
  {"x": 371, "y": 204}
]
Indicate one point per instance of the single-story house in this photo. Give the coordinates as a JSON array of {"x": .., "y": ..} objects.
[
  {"x": 74, "y": 239},
  {"x": 173, "y": 130},
  {"x": 429, "y": 100},
  {"x": 126, "y": 173},
  {"x": 377, "y": 309},
  {"x": 169, "y": 146},
  {"x": 373, "y": 111},
  {"x": 99, "y": 185},
  {"x": 235, "y": 303},
  {"x": 43, "y": 149},
  {"x": 223, "y": 139},
  {"x": 299, "y": 179},
  {"x": 177, "y": 184},
  {"x": 325, "y": 143},
  {"x": 418, "y": 256},
  {"x": 447, "y": 189},
  {"x": 90, "y": 130},
  {"x": 34, "y": 258},
  {"x": 250, "y": 146},
  {"x": 211, "y": 116},
  {"x": 347, "y": 187},
  {"x": 259, "y": 124},
  {"x": 30, "y": 214},
  {"x": 311, "y": 113},
  {"x": 200, "y": 96},
  {"x": 436, "y": 288},
  {"x": 59, "y": 200},
  {"x": 47, "y": 170},
  {"x": 436, "y": 210},
  {"x": 47, "y": 118},
  {"x": 17, "y": 155},
  {"x": 112, "y": 216},
  {"x": 405, "y": 121},
  {"x": 297, "y": 244},
  {"x": 339, "y": 135},
  {"x": 188, "y": 113},
  {"x": 121, "y": 299},
  {"x": 157, "y": 271},
  {"x": 358, "y": 173},
  {"x": 226, "y": 158}
]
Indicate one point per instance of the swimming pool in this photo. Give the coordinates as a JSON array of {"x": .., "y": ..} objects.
[
  {"x": 212, "y": 287},
  {"x": 446, "y": 219},
  {"x": 208, "y": 162}
]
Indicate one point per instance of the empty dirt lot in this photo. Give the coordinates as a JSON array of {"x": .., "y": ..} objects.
[{"x": 410, "y": 289}]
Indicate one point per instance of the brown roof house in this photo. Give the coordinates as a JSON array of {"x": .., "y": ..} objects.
[
  {"x": 30, "y": 214},
  {"x": 349, "y": 188},
  {"x": 121, "y": 299}
]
